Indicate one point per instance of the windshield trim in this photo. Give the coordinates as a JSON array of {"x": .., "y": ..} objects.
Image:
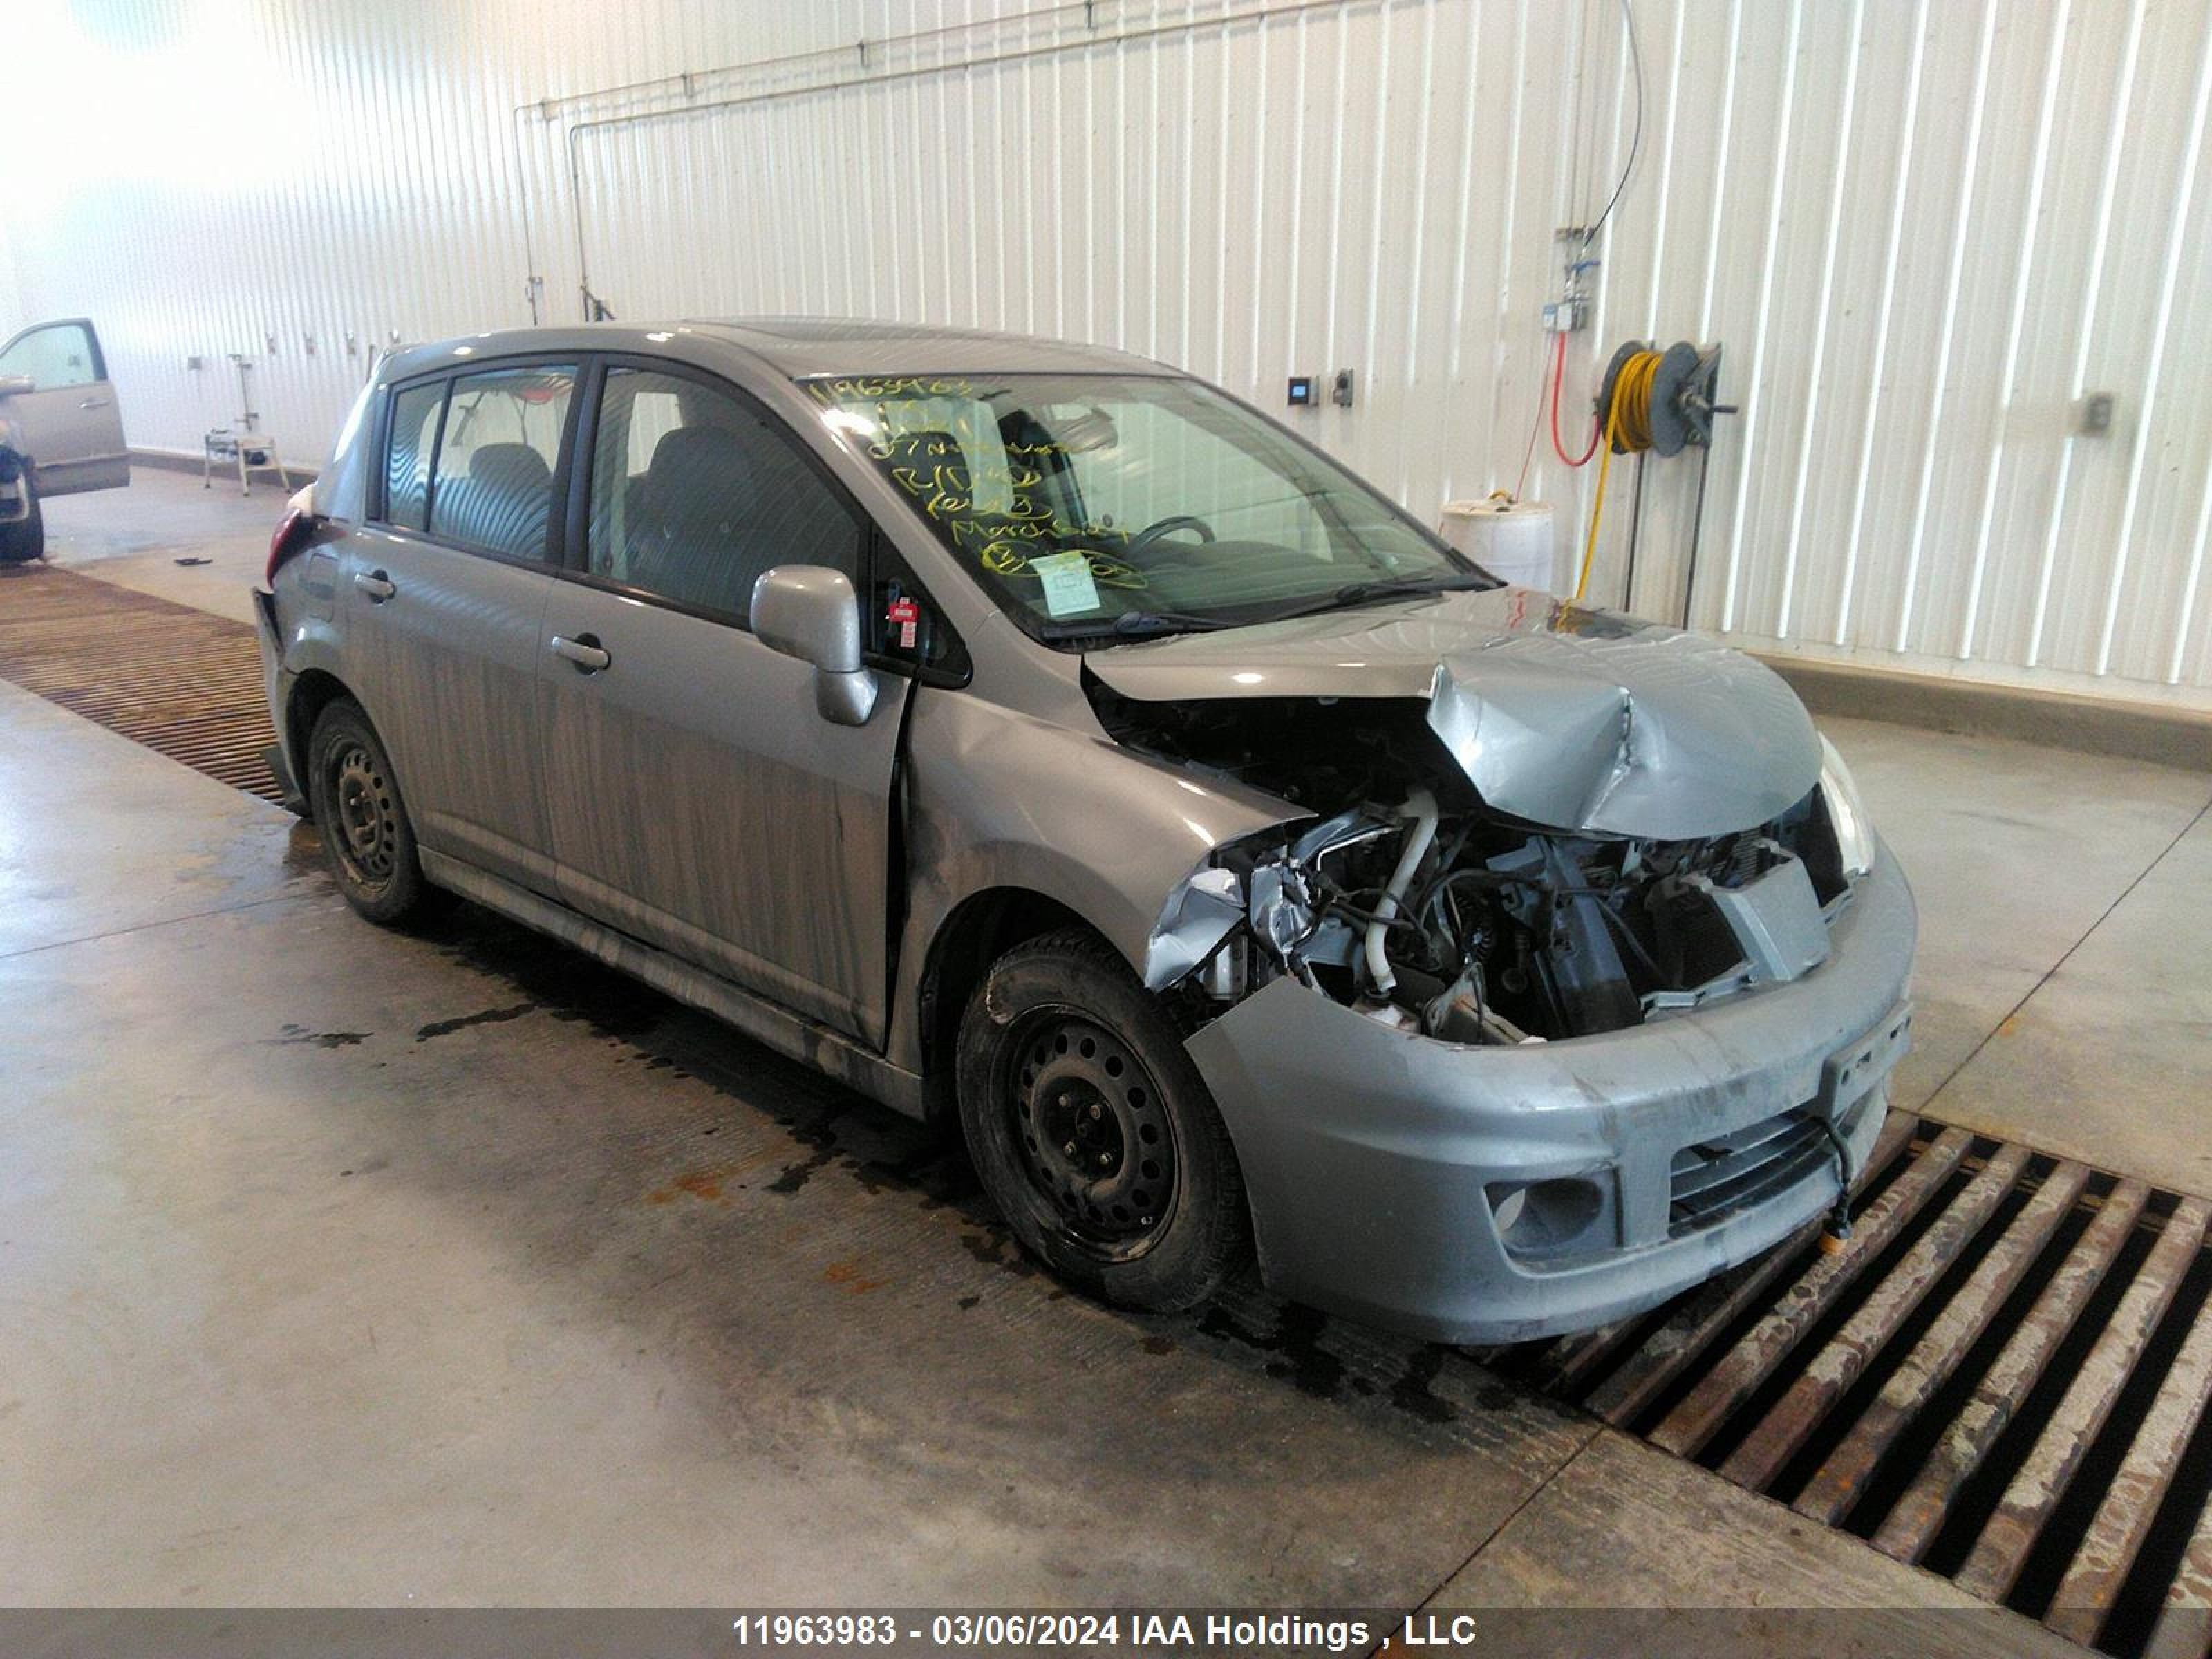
[{"x": 1041, "y": 629}]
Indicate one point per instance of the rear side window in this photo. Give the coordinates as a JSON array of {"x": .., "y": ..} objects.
[
  {"x": 407, "y": 460},
  {"x": 694, "y": 494},
  {"x": 493, "y": 486}
]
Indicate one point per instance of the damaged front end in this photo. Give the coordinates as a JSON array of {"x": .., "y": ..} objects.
[
  {"x": 1471, "y": 930},
  {"x": 1414, "y": 897},
  {"x": 1579, "y": 980}
]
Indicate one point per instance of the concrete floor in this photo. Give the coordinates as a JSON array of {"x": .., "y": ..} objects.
[
  {"x": 345, "y": 1268},
  {"x": 134, "y": 537}
]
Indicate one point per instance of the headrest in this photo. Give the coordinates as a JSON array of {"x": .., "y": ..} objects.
[
  {"x": 699, "y": 474},
  {"x": 516, "y": 467}
]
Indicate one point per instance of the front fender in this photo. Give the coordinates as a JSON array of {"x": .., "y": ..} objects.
[{"x": 998, "y": 798}]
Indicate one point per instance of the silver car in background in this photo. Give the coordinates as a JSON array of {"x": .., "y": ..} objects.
[{"x": 1036, "y": 738}]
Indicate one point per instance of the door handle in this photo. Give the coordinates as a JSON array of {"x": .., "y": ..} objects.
[
  {"x": 94, "y": 403},
  {"x": 583, "y": 651},
  {"x": 374, "y": 583}
]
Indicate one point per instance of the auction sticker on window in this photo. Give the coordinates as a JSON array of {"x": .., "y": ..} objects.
[{"x": 1069, "y": 587}]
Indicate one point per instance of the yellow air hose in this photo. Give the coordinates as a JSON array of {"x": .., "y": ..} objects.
[{"x": 1627, "y": 427}]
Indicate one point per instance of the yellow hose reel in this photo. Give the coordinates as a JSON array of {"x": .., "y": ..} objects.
[{"x": 1653, "y": 399}]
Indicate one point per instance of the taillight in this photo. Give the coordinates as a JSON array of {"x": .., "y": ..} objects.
[{"x": 292, "y": 535}]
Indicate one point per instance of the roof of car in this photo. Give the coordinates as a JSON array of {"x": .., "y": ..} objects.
[{"x": 799, "y": 347}]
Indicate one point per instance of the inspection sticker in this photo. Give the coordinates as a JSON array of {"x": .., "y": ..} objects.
[
  {"x": 1068, "y": 586},
  {"x": 904, "y": 614}
]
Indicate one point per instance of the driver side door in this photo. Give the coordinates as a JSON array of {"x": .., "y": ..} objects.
[
  {"x": 696, "y": 798},
  {"x": 71, "y": 427}
]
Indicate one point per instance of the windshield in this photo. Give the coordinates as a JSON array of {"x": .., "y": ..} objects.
[{"x": 1092, "y": 505}]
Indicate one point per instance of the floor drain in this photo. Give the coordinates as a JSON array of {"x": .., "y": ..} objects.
[
  {"x": 180, "y": 681},
  {"x": 2005, "y": 1380}
]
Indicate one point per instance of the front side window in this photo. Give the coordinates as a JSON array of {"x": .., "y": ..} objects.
[
  {"x": 60, "y": 355},
  {"x": 407, "y": 455},
  {"x": 694, "y": 494},
  {"x": 1101, "y": 504},
  {"x": 494, "y": 481}
]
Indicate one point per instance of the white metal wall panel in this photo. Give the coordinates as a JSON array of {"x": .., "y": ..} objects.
[{"x": 1922, "y": 229}]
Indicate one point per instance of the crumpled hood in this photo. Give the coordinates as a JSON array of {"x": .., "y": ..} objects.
[{"x": 1570, "y": 718}]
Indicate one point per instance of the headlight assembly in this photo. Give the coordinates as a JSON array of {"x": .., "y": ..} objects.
[{"x": 1847, "y": 814}]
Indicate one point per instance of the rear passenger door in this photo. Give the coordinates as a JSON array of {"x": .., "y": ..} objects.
[
  {"x": 445, "y": 594},
  {"x": 697, "y": 799}
]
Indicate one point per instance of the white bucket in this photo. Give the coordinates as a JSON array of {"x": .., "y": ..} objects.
[{"x": 1511, "y": 539}]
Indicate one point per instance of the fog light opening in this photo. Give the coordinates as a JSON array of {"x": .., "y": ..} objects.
[{"x": 1545, "y": 1217}]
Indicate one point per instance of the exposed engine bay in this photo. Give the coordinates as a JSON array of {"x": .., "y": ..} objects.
[{"x": 1407, "y": 898}]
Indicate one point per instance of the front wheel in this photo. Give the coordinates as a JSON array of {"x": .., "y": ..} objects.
[
  {"x": 368, "y": 840},
  {"x": 1092, "y": 1132},
  {"x": 25, "y": 539}
]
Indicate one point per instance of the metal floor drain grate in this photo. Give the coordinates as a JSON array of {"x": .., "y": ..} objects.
[
  {"x": 2004, "y": 1379},
  {"x": 180, "y": 681}
]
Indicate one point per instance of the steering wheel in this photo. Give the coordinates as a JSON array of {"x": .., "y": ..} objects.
[{"x": 1167, "y": 526}]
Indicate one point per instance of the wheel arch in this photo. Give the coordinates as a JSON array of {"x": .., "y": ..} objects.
[
  {"x": 312, "y": 691},
  {"x": 974, "y": 933}
]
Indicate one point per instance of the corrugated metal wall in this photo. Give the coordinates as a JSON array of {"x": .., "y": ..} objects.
[{"x": 1923, "y": 231}]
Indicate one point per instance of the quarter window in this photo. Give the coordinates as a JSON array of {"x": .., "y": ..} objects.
[
  {"x": 693, "y": 495},
  {"x": 494, "y": 481},
  {"x": 407, "y": 460}
]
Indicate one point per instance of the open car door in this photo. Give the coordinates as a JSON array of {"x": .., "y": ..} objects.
[{"x": 54, "y": 390}]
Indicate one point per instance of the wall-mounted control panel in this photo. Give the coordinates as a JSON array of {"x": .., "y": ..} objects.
[{"x": 1306, "y": 390}]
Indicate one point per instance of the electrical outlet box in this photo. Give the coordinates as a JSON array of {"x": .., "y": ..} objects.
[
  {"x": 2096, "y": 413},
  {"x": 1340, "y": 394},
  {"x": 1565, "y": 316}
]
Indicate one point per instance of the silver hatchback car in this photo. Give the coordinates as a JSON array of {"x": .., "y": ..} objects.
[{"x": 1036, "y": 738}]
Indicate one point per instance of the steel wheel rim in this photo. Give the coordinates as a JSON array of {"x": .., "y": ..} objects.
[
  {"x": 1093, "y": 1135},
  {"x": 367, "y": 832}
]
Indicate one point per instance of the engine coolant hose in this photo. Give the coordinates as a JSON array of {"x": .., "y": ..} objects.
[{"x": 1420, "y": 835}]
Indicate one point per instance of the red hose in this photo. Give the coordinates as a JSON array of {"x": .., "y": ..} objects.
[{"x": 1558, "y": 372}]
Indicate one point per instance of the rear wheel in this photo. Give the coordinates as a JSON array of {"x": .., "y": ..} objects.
[
  {"x": 1092, "y": 1131},
  {"x": 368, "y": 839},
  {"x": 25, "y": 538}
]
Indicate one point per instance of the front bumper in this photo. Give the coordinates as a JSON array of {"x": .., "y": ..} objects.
[{"x": 1373, "y": 1158}]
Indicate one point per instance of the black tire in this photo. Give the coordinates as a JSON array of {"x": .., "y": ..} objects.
[
  {"x": 368, "y": 841},
  {"x": 1066, "y": 1062},
  {"x": 25, "y": 538}
]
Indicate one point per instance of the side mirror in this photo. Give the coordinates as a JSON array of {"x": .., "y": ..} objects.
[
  {"x": 14, "y": 386},
  {"x": 810, "y": 613}
]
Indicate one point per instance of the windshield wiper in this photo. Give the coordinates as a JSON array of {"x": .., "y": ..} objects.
[
  {"x": 1383, "y": 587},
  {"x": 1131, "y": 625}
]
